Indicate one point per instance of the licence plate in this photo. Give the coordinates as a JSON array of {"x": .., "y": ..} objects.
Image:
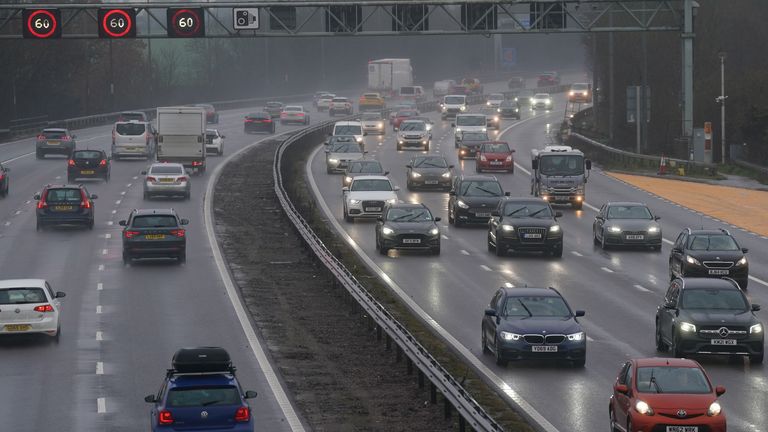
[
  {"x": 431, "y": 182},
  {"x": 682, "y": 429},
  {"x": 54, "y": 142},
  {"x": 544, "y": 348},
  {"x": 166, "y": 180},
  {"x": 411, "y": 241},
  {"x": 63, "y": 208},
  {"x": 373, "y": 209},
  {"x": 531, "y": 235},
  {"x": 17, "y": 327},
  {"x": 483, "y": 214},
  {"x": 718, "y": 272},
  {"x": 154, "y": 236},
  {"x": 86, "y": 171},
  {"x": 635, "y": 237},
  {"x": 723, "y": 341},
  {"x": 495, "y": 162}
]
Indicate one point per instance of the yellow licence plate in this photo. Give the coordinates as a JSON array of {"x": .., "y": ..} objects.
[
  {"x": 87, "y": 172},
  {"x": 54, "y": 142},
  {"x": 17, "y": 327},
  {"x": 166, "y": 180},
  {"x": 154, "y": 236},
  {"x": 62, "y": 208}
]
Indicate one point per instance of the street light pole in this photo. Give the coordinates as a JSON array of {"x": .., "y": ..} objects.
[{"x": 722, "y": 99}]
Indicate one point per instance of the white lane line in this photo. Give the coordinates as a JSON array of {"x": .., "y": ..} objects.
[
  {"x": 101, "y": 267},
  {"x": 27, "y": 201},
  {"x": 100, "y": 286},
  {"x": 118, "y": 202},
  {"x": 485, "y": 267},
  {"x": 108, "y": 235},
  {"x": 667, "y": 241},
  {"x": 18, "y": 157},
  {"x": 591, "y": 207},
  {"x": 99, "y": 336},
  {"x": 7, "y": 223},
  {"x": 577, "y": 253},
  {"x": 135, "y": 177},
  {"x": 122, "y": 193},
  {"x": 58, "y": 177},
  {"x": 114, "y": 211},
  {"x": 463, "y": 252},
  {"x": 509, "y": 285},
  {"x": 606, "y": 269},
  {"x": 110, "y": 223},
  {"x": 129, "y": 185},
  {"x": 760, "y": 281},
  {"x": 101, "y": 405},
  {"x": 18, "y": 212},
  {"x": 103, "y": 251},
  {"x": 99, "y": 368},
  {"x": 445, "y": 237},
  {"x": 642, "y": 288},
  {"x": 589, "y": 339},
  {"x": 99, "y": 309}
]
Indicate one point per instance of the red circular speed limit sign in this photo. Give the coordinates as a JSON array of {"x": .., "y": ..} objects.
[
  {"x": 117, "y": 23},
  {"x": 186, "y": 22},
  {"x": 41, "y": 23}
]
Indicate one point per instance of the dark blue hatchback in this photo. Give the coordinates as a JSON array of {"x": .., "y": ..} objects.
[{"x": 201, "y": 393}]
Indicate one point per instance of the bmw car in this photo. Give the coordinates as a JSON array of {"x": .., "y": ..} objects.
[
  {"x": 626, "y": 224},
  {"x": 407, "y": 226}
]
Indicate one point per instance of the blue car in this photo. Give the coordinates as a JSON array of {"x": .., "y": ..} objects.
[
  {"x": 201, "y": 393},
  {"x": 533, "y": 324}
]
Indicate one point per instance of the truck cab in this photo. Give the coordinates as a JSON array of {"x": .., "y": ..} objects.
[
  {"x": 453, "y": 104},
  {"x": 560, "y": 175}
]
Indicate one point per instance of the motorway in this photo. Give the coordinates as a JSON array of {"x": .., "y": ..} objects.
[
  {"x": 120, "y": 324},
  {"x": 619, "y": 289}
]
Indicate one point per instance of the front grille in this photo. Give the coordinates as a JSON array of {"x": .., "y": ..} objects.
[
  {"x": 524, "y": 233},
  {"x": 554, "y": 339},
  {"x": 718, "y": 264},
  {"x": 412, "y": 137},
  {"x": 674, "y": 415},
  {"x": 634, "y": 232},
  {"x": 714, "y": 332},
  {"x": 534, "y": 339},
  {"x": 379, "y": 204}
]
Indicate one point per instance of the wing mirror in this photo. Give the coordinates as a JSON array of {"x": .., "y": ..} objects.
[
  {"x": 60, "y": 294},
  {"x": 345, "y": 189},
  {"x": 7, "y": 170},
  {"x": 453, "y": 125},
  {"x": 621, "y": 388},
  {"x": 223, "y": 136},
  {"x": 396, "y": 188},
  {"x": 386, "y": 172},
  {"x": 507, "y": 193},
  {"x": 744, "y": 250},
  {"x": 409, "y": 166},
  {"x": 719, "y": 390},
  {"x": 450, "y": 166},
  {"x": 490, "y": 312},
  {"x": 580, "y": 313},
  {"x": 438, "y": 219},
  {"x": 250, "y": 394},
  {"x": 588, "y": 164},
  {"x": 535, "y": 164},
  {"x": 36, "y": 196},
  {"x": 185, "y": 221},
  {"x": 74, "y": 136},
  {"x": 452, "y": 193},
  {"x": 495, "y": 213},
  {"x": 144, "y": 172},
  {"x": 94, "y": 196},
  {"x": 755, "y": 307},
  {"x": 380, "y": 218},
  {"x": 558, "y": 214},
  {"x": 123, "y": 223},
  {"x": 365, "y": 133},
  {"x": 150, "y": 399},
  {"x": 656, "y": 218}
]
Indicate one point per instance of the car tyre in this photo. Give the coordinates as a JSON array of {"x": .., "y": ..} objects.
[
  {"x": 578, "y": 205},
  {"x": 57, "y": 337},
  {"x": 612, "y": 417},
  {"x": 484, "y": 341},
  {"x": 603, "y": 246},
  {"x": 451, "y": 219},
  {"x": 499, "y": 248},
  {"x": 182, "y": 258},
  {"x": 91, "y": 224},
  {"x": 126, "y": 258},
  {"x": 660, "y": 345},
  {"x": 500, "y": 360},
  {"x": 656, "y": 248},
  {"x": 477, "y": 168},
  {"x": 676, "y": 351},
  {"x": 595, "y": 241},
  {"x": 436, "y": 250}
]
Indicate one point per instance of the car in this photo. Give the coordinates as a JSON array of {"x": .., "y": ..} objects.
[
  {"x": 533, "y": 324},
  {"x": 201, "y": 392},
  {"x": 324, "y": 102},
  {"x": 495, "y": 156},
  {"x": 430, "y": 124},
  {"x": 211, "y": 116},
  {"x": 469, "y": 143},
  {"x": 442, "y": 87},
  {"x": 414, "y": 93},
  {"x": 340, "y": 105},
  {"x": 516, "y": 83},
  {"x": 354, "y": 128},
  {"x": 708, "y": 253},
  {"x": 258, "y": 122},
  {"x": 294, "y": 114},
  {"x": 371, "y": 101},
  {"x": 274, "y": 109},
  {"x": 60, "y": 204},
  {"x": 407, "y": 226},
  {"x": 579, "y": 93},
  {"x": 30, "y": 306},
  {"x": 401, "y": 116},
  {"x": 666, "y": 395},
  {"x": 166, "y": 179},
  {"x": 214, "y": 142},
  {"x": 524, "y": 96},
  {"x": 472, "y": 85},
  {"x": 495, "y": 99},
  {"x": 548, "y": 79},
  {"x": 492, "y": 117},
  {"x": 509, "y": 109},
  {"x": 89, "y": 164},
  {"x": 55, "y": 141},
  {"x": 5, "y": 180},
  {"x": 319, "y": 95},
  {"x": 469, "y": 123},
  {"x": 340, "y": 150},
  {"x": 133, "y": 138},
  {"x": 367, "y": 195},
  {"x": 708, "y": 316},
  {"x": 473, "y": 198},
  {"x": 154, "y": 233},
  {"x": 626, "y": 224},
  {"x": 429, "y": 171},
  {"x": 541, "y": 101},
  {"x": 523, "y": 225},
  {"x": 452, "y": 105},
  {"x": 413, "y": 133},
  {"x": 373, "y": 122},
  {"x": 361, "y": 167},
  {"x": 127, "y": 116}
]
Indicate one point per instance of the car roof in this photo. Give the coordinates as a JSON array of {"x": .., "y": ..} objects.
[
  {"x": 371, "y": 177},
  {"x": 479, "y": 177},
  {"x": 144, "y": 212},
  {"x": 295, "y": 106},
  {"x": 55, "y": 130},
  {"x": 258, "y": 114},
  {"x": 64, "y": 186},
  {"x": 347, "y": 123},
  {"x": 625, "y": 203},
  {"x": 666, "y": 361},
  {"x": 201, "y": 380},
  {"x": 713, "y": 283},
  {"x": 173, "y": 164},
  {"x": 364, "y": 161},
  {"x": 413, "y": 120},
  {"x": 16, "y": 283},
  {"x": 530, "y": 291},
  {"x": 274, "y": 103},
  {"x": 709, "y": 231},
  {"x": 408, "y": 205}
]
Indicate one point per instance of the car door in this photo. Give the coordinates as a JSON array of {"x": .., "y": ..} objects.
[
  {"x": 622, "y": 402},
  {"x": 490, "y": 322},
  {"x": 676, "y": 255},
  {"x": 597, "y": 225},
  {"x": 452, "y": 196},
  {"x": 668, "y": 310}
]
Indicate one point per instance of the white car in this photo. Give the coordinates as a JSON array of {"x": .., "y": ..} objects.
[
  {"x": 340, "y": 105},
  {"x": 350, "y": 128},
  {"x": 469, "y": 123},
  {"x": 214, "y": 142},
  {"x": 413, "y": 133},
  {"x": 29, "y": 306},
  {"x": 294, "y": 114},
  {"x": 367, "y": 195},
  {"x": 373, "y": 123},
  {"x": 325, "y": 101},
  {"x": 495, "y": 99},
  {"x": 541, "y": 101}
]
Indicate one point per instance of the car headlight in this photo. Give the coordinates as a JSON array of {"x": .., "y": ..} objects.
[
  {"x": 742, "y": 261},
  {"x": 462, "y": 204},
  {"x": 508, "y": 228},
  {"x": 576, "y": 336},
  {"x": 485, "y": 130},
  {"x": 332, "y": 160},
  {"x": 643, "y": 408},
  {"x": 554, "y": 228},
  {"x": 756, "y": 329},
  {"x": 571, "y": 93},
  {"x": 359, "y": 139},
  {"x": 429, "y": 127},
  {"x": 687, "y": 327},
  {"x": 496, "y": 118},
  {"x": 458, "y": 129},
  {"x": 507, "y": 336},
  {"x": 653, "y": 229},
  {"x": 614, "y": 229},
  {"x": 498, "y": 109},
  {"x": 447, "y": 174},
  {"x": 387, "y": 231},
  {"x": 347, "y": 179},
  {"x": 548, "y": 101},
  {"x": 392, "y": 201},
  {"x": 434, "y": 231},
  {"x": 463, "y": 108},
  {"x": 714, "y": 409},
  {"x": 381, "y": 125},
  {"x": 414, "y": 174},
  {"x": 692, "y": 260},
  {"x": 517, "y": 109},
  {"x": 488, "y": 103},
  {"x": 354, "y": 201}
]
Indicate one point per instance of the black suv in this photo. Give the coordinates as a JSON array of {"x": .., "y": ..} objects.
[
  {"x": 89, "y": 164},
  {"x": 64, "y": 205},
  {"x": 525, "y": 224},
  {"x": 708, "y": 253},
  {"x": 708, "y": 316},
  {"x": 154, "y": 233},
  {"x": 4, "y": 180},
  {"x": 473, "y": 198}
]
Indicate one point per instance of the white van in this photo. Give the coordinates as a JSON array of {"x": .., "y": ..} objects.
[
  {"x": 133, "y": 139},
  {"x": 349, "y": 128},
  {"x": 470, "y": 123},
  {"x": 412, "y": 92}
]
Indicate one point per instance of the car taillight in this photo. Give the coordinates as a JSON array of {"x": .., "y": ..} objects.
[
  {"x": 71, "y": 162},
  {"x": 85, "y": 203},
  {"x": 40, "y": 137},
  {"x": 267, "y": 120},
  {"x": 103, "y": 162},
  {"x": 300, "y": 114},
  {"x": 164, "y": 417},
  {"x": 482, "y": 158},
  {"x": 65, "y": 138},
  {"x": 197, "y": 163},
  {"x": 182, "y": 179},
  {"x": 42, "y": 204},
  {"x": 179, "y": 232},
  {"x": 243, "y": 414},
  {"x": 249, "y": 120},
  {"x": 151, "y": 179},
  {"x": 282, "y": 114},
  {"x": 130, "y": 234},
  {"x": 2, "y": 176},
  {"x": 44, "y": 308}
]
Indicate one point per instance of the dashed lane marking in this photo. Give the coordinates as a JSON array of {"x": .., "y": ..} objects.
[
  {"x": 485, "y": 267},
  {"x": 101, "y": 405},
  {"x": 760, "y": 281},
  {"x": 99, "y": 286},
  {"x": 99, "y": 368},
  {"x": 7, "y": 223},
  {"x": 642, "y": 288},
  {"x": 108, "y": 236},
  {"x": 463, "y": 252},
  {"x": 99, "y": 336},
  {"x": 101, "y": 267},
  {"x": 667, "y": 241},
  {"x": 445, "y": 237},
  {"x": 118, "y": 202},
  {"x": 577, "y": 253},
  {"x": 509, "y": 285},
  {"x": 606, "y": 269},
  {"x": 99, "y": 309}
]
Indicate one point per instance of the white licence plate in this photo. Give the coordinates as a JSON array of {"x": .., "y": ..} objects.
[
  {"x": 544, "y": 348},
  {"x": 531, "y": 235},
  {"x": 483, "y": 214},
  {"x": 723, "y": 341},
  {"x": 682, "y": 429},
  {"x": 718, "y": 272},
  {"x": 635, "y": 237},
  {"x": 373, "y": 209},
  {"x": 430, "y": 182},
  {"x": 495, "y": 162},
  {"x": 412, "y": 241}
]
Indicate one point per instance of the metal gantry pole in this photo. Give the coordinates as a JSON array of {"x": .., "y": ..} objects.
[
  {"x": 688, "y": 74},
  {"x": 722, "y": 106}
]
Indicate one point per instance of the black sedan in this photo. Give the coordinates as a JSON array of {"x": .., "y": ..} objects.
[
  {"x": 5, "y": 182},
  {"x": 469, "y": 143},
  {"x": 259, "y": 122},
  {"x": 407, "y": 226},
  {"x": 626, "y": 224},
  {"x": 429, "y": 172},
  {"x": 525, "y": 224},
  {"x": 533, "y": 324},
  {"x": 156, "y": 233},
  {"x": 708, "y": 316},
  {"x": 473, "y": 198},
  {"x": 89, "y": 164},
  {"x": 509, "y": 109},
  {"x": 708, "y": 253}
]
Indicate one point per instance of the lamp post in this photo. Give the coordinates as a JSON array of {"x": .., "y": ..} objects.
[{"x": 721, "y": 99}]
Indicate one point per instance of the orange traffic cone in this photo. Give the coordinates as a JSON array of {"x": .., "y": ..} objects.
[{"x": 662, "y": 165}]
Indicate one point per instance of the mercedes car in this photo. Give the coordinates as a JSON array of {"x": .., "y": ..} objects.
[
  {"x": 407, "y": 226},
  {"x": 708, "y": 253}
]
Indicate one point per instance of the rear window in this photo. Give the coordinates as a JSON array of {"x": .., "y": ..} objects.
[
  {"x": 73, "y": 195},
  {"x": 294, "y": 108},
  {"x": 348, "y": 130},
  {"x": 166, "y": 169},
  {"x": 54, "y": 134},
  {"x": 258, "y": 116},
  {"x": 339, "y": 99},
  {"x": 87, "y": 154},
  {"x": 475, "y": 120},
  {"x": 366, "y": 167},
  {"x": 154, "y": 221},
  {"x": 132, "y": 129},
  {"x": 22, "y": 296},
  {"x": 132, "y": 116},
  {"x": 454, "y": 99},
  {"x": 203, "y": 397},
  {"x": 274, "y": 104}
]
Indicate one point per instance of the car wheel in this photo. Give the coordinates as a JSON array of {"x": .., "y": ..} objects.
[
  {"x": 451, "y": 219},
  {"x": 491, "y": 247},
  {"x": 558, "y": 252},
  {"x": 595, "y": 241},
  {"x": 38, "y": 226},
  {"x": 409, "y": 186},
  {"x": 328, "y": 170},
  {"x": 603, "y": 246},
  {"x": 612, "y": 417},
  {"x": 126, "y": 258},
  {"x": 182, "y": 258},
  {"x": 436, "y": 250},
  {"x": 57, "y": 337},
  {"x": 188, "y": 195},
  {"x": 70, "y": 179},
  {"x": 656, "y": 248},
  {"x": 484, "y": 341},
  {"x": 512, "y": 170},
  {"x": 629, "y": 424},
  {"x": 499, "y": 248},
  {"x": 500, "y": 360},
  {"x": 399, "y": 147},
  {"x": 146, "y": 195},
  {"x": 660, "y": 345},
  {"x": 677, "y": 352},
  {"x": 477, "y": 168},
  {"x": 756, "y": 359}
]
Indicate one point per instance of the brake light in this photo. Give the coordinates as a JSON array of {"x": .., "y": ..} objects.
[
  {"x": 243, "y": 414},
  {"x": 300, "y": 114},
  {"x": 41, "y": 137},
  {"x": 179, "y": 232},
  {"x": 269, "y": 120},
  {"x": 71, "y": 162},
  {"x": 151, "y": 179},
  {"x": 130, "y": 234},
  {"x": 44, "y": 308},
  {"x": 197, "y": 163},
  {"x": 85, "y": 203},
  {"x": 2, "y": 176},
  {"x": 65, "y": 138},
  {"x": 249, "y": 120},
  {"x": 103, "y": 162},
  {"x": 182, "y": 179},
  {"x": 164, "y": 417},
  {"x": 42, "y": 204}
]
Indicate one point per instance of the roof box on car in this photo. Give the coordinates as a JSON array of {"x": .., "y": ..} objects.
[{"x": 201, "y": 360}]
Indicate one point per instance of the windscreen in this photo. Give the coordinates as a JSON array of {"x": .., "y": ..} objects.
[
  {"x": 561, "y": 165},
  {"x": 86, "y": 154},
  {"x": 710, "y": 299},
  {"x": 371, "y": 185},
  {"x": 580, "y": 87},
  {"x": 167, "y": 169},
  {"x": 371, "y": 117},
  {"x": 413, "y": 126},
  {"x": 203, "y": 397},
  {"x": 526, "y": 210},
  {"x": 54, "y": 134},
  {"x": 339, "y": 100},
  {"x": 480, "y": 188},
  {"x": 496, "y": 96},
  {"x": 64, "y": 195},
  {"x": 417, "y": 214},
  {"x": 368, "y": 167},
  {"x": 541, "y": 96},
  {"x": 496, "y": 148},
  {"x": 132, "y": 129},
  {"x": 508, "y": 104},
  {"x": 475, "y": 120},
  {"x": 348, "y": 130},
  {"x": 668, "y": 379},
  {"x": 629, "y": 212},
  {"x": 22, "y": 296},
  {"x": 293, "y": 108},
  {"x": 717, "y": 242},
  {"x": 132, "y": 116},
  {"x": 430, "y": 162},
  {"x": 536, "y": 306},
  {"x": 154, "y": 221},
  {"x": 352, "y": 147},
  {"x": 474, "y": 136},
  {"x": 454, "y": 100}
]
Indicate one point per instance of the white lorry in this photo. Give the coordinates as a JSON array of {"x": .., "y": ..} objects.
[
  {"x": 386, "y": 76},
  {"x": 181, "y": 136}
]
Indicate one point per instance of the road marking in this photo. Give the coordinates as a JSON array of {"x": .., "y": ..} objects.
[
  {"x": 101, "y": 405},
  {"x": 99, "y": 336},
  {"x": 463, "y": 252},
  {"x": 101, "y": 267},
  {"x": 110, "y": 222},
  {"x": 99, "y": 368},
  {"x": 760, "y": 281},
  {"x": 508, "y": 285},
  {"x": 18, "y": 212},
  {"x": 589, "y": 339},
  {"x": 114, "y": 211},
  {"x": 17, "y": 157},
  {"x": 135, "y": 177},
  {"x": 667, "y": 241},
  {"x": 103, "y": 251},
  {"x": 606, "y": 269},
  {"x": 27, "y": 201},
  {"x": 129, "y": 185},
  {"x": 642, "y": 288},
  {"x": 7, "y": 223},
  {"x": 485, "y": 267},
  {"x": 108, "y": 235},
  {"x": 118, "y": 202},
  {"x": 577, "y": 253},
  {"x": 58, "y": 177},
  {"x": 445, "y": 237},
  {"x": 100, "y": 286},
  {"x": 98, "y": 309},
  {"x": 122, "y": 193}
]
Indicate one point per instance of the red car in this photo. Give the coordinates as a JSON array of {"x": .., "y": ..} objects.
[
  {"x": 666, "y": 395},
  {"x": 211, "y": 116},
  {"x": 496, "y": 156},
  {"x": 401, "y": 116},
  {"x": 548, "y": 79}
]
